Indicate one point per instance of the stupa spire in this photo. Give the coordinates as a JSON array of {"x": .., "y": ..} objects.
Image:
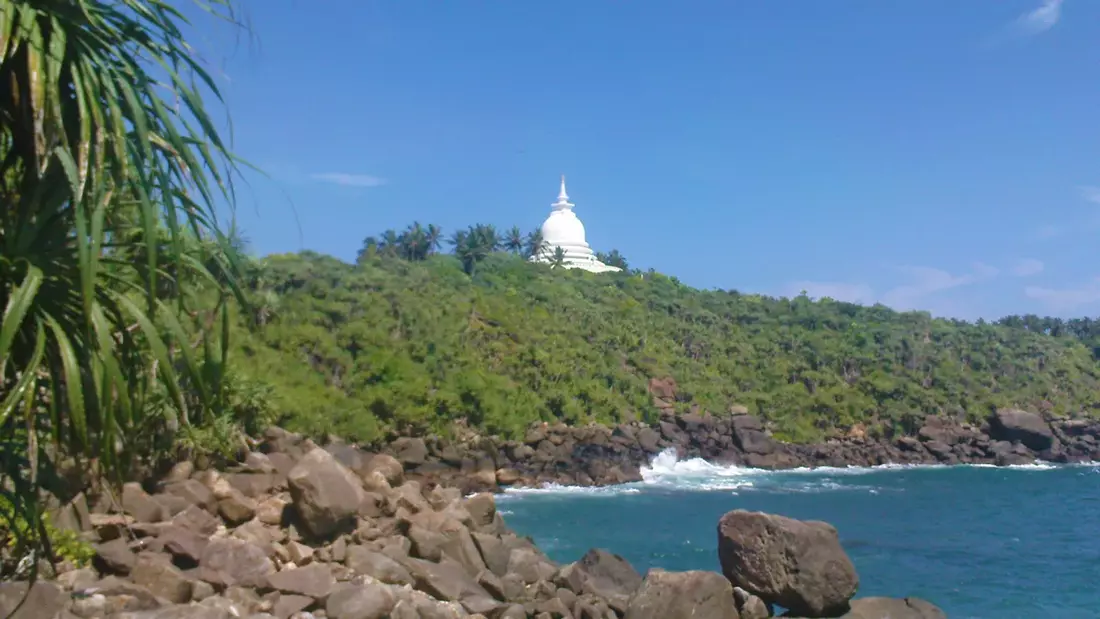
[{"x": 563, "y": 198}]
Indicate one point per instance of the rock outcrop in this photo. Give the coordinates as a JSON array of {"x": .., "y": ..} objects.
[
  {"x": 798, "y": 565},
  {"x": 598, "y": 455},
  {"x": 339, "y": 533}
]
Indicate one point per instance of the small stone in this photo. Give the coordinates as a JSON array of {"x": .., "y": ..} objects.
[
  {"x": 270, "y": 511},
  {"x": 201, "y": 590},
  {"x": 299, "y": 553},
  {"x": 78, "y": 579}
]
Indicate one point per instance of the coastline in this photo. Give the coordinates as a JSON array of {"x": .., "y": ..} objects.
[
  {"x": 293, "y": 530},
  {"x": 599, "y": 456}
]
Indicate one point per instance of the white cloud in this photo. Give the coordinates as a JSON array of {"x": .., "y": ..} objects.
[
  {"x": 985, "y": 271},
  {"x": 1090, "y": 193},
  {"x": 1028, "y": 267},
  {"x": 1048, "y": 231},
  {"x": 349, "y": 180},
  {"x": 840, "y": 291},
  {"x": 1065, "y": 299},
  {"x": 926, "y": 281},
  {"x": 922, "y": 284},
  {"x": 1040, "y": 19}
]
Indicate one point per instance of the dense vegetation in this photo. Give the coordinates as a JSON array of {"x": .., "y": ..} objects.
[
  {"x": 115, "y": 275},
  {"x": 410, "y": 341}
]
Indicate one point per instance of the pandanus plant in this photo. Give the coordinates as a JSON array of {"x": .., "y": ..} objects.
[{"x": 111, "y": 173}]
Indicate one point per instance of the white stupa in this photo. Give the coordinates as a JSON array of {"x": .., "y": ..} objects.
[{"x": 563, "y": 229}]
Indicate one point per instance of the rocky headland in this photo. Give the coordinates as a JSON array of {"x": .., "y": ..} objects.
[
  {"x": 294, "y": 530},
  {"x": 600, "y": 455}
]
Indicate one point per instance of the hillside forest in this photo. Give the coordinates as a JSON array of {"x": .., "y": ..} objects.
[{"x": 410, "y": 339}]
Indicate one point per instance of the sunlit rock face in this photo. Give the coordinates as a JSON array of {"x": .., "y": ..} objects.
[{"x": 563, "y": 229}]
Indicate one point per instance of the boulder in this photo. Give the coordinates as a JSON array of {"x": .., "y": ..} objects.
[
  {"x": 43, "y": 600},
  {"x": 228, "y": 561},
  {"x": 410, "y": 452},
  {"x": 377, "y": 565},
  {"x": 748, "y": 433},
  {"x": 750, "y": 606},
  {"x": 137, "y": 503},
  {"x": 314, "y": 581},
  {"x": 609, "y": 577},
  {"x": 448, "y": 581},
  {"x": 156, "y": 573},
  {"x": 184, "y": 544},
  {"x": 360, "y": 601},
  {"x": 682, "y": 595},
  {"x": 114, "y": 557},
  {"x": 893, "y": 608},
  {"x": 325, "y": 493},
  {"x": 194, "y": 492},
  {"x": 799, "y": 565},
  {"x": 388, "y": 466},
  {"x": 1008, "y": 424}
]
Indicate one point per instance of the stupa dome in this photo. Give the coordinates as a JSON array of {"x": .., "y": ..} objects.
[{"x": 563, "y": 230}]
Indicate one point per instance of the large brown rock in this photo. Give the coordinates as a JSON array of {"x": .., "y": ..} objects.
[
  {"x": 893, "y": 608},
  {"x": 359, "y": 601},
  {"x": 43, "y": 600},
  {"x": 156, "y": 573},
  {"x": 314, "y": 581},
  {"x": 447, "y": 581},
  {"x": 228, "y": 561},
  {"x": 609, "y": 577},
  {"x": 410, "y": 451},
  {"x": 799, "y": 565},
  {"x": 1011, "y": 425},
  {"x": 325, "y": 493},
  {"x": 390, "y": 469},
  {"x": 683, "y": 595},
  {"x": 377, "y": 565},
  {"x": 137, "y": 503}
]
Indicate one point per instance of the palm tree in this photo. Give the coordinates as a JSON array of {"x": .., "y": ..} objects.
[
  {"x": 614, "y": 258},
  {"x": 513, "y": 240},
  {"x": 557, "y": 259},
  {"x": 458, "y": 239},
  {"x": 414, "y": 242},
  {"x": 390, "y": 247},
  {"x": 471, "y": 250},
  {"x": 535, "y": 244},
  {"x": 93, "y": 149},
  {"x": 368, "y": 250},
  {"x": 487, "y": 236},
  {"x": 435, "y": 238}
]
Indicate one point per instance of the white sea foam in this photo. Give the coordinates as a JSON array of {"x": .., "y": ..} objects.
[{"x": 667, "y": 471}]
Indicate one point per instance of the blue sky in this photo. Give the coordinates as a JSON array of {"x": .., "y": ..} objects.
[{"x": 929, "y": 154}]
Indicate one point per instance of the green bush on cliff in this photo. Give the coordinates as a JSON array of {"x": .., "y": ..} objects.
[{"x": 415, "y": 345}]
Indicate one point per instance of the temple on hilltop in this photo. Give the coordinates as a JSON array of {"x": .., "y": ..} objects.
[{"x": 563, "y": 229}]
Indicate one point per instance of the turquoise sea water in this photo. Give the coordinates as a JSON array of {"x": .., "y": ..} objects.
[{"x": 980, "y": 542}]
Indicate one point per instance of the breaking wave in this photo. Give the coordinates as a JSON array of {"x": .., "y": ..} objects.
[{"x": 666, "y": 471}]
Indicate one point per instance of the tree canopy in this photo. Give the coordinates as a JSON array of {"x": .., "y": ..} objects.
[{"x": 486, "y": 338}]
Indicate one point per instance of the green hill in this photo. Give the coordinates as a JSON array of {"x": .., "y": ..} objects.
[{"x": 413, "y": 345}]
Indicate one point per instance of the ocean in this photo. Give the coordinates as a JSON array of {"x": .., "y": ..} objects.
[{"x": 978, "y": 541}]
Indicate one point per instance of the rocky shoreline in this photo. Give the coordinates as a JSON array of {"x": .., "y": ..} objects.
[
  {"x": 599, "y": 455},
  {"x": 297, "y": 531}
]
